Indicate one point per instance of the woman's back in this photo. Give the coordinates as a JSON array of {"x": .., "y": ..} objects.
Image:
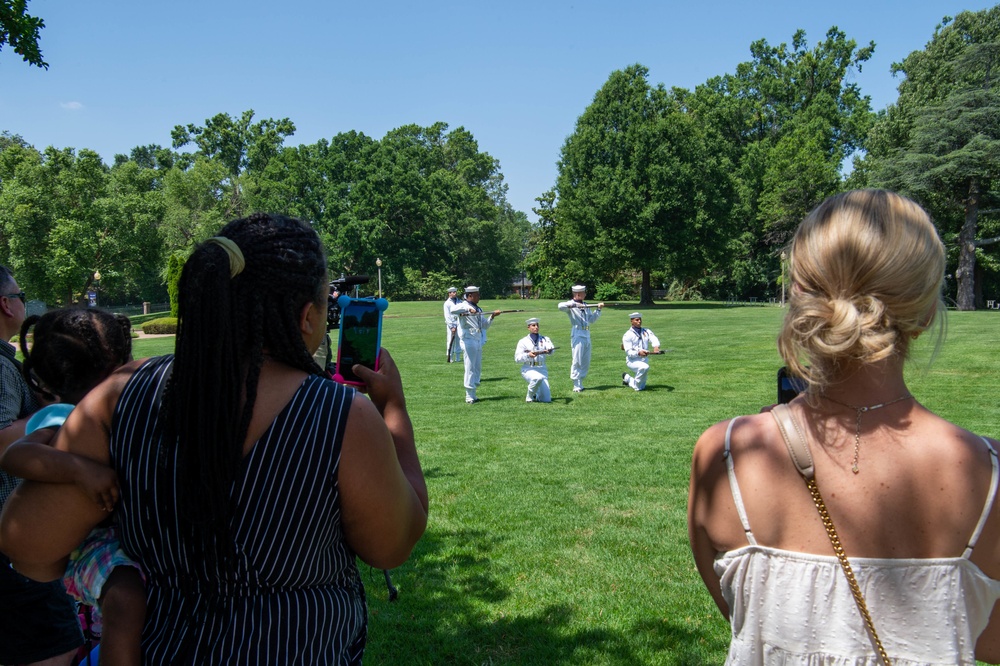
[
  {"x": 919, "y": 490},
  {"x": 788, "y": 599},
  {"x": 294, "y": 595}
]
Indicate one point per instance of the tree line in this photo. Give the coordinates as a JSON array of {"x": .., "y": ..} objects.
[
  {"x": 698, "y": 192},
  {"x": 695, "y": 192},
  {"x": 426, "y": 200}
]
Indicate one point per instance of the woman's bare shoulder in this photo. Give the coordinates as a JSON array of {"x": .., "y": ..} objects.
[{"x": 752, "y": 434}]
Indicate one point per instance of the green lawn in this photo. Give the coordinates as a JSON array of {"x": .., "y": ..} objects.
[{"x": 557, "y": 532}]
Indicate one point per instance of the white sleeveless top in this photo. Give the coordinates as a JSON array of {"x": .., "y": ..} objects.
[{"x": 797, "y": 609}]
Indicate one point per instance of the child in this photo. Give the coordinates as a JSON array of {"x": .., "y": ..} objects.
[{"x": 73, "y": 351}]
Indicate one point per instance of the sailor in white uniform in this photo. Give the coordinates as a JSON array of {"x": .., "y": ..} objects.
[
  {"x": 581, "y": 316},
  {"x": 472, "y": 326},
  {"x": 530, "y": 353},
  {"x": 451, "y": 325},
  {"x": 638, "y": 343}
]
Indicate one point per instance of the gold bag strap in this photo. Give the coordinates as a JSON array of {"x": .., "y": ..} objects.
[{"x": 798, "y": 448}]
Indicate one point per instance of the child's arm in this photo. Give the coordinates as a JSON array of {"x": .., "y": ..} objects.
[{"x": 31, "y": 458}]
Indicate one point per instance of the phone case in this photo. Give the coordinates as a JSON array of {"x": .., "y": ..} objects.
[
  {"x": 360, "y": 336},
  {"x": 788, "y": 386}
]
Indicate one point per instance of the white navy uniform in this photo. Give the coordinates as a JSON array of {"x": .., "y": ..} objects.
[
  {"x": 533, "y": 369},
  {"x": 472, "y": 337},
  {"x": 580, "y": 319},
  {"x": 634, "y": 340},
  {"x": 450, "y": 323}
]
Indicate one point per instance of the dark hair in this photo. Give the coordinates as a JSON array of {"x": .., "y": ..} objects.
[
  {"x": 73, "y": 350},
  {"x": 6, "y": 277},
  {"x": 225, "y": 326}
]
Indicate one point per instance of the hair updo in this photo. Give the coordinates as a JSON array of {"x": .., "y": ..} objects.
[
  {"x": 866, "y": 269},
  {"x": 229, "y": 320},
  {"x": 73, "y": 350}
]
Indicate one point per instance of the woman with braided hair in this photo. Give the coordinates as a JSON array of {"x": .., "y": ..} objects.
[
  {"x": 884, "y": 547},
  {"x": 249, "y": 481}
]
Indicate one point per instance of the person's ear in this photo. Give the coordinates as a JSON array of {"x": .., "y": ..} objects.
[
  {"x": 5, "y": 306},
  {"x": 306, "y": 322}
]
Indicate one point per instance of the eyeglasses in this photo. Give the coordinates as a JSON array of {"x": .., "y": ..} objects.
[{"x": 20, "y": 294}]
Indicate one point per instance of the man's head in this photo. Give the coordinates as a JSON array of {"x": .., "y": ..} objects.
[
  {"x": 636, "y": 319},
  {"x": 532, "y": 325},
  {"x": 452, "y": 292},
  {"x": 579, "y": 292},
  {"x": 472, "y": 294},
  {"x": 12, "y": 305}
]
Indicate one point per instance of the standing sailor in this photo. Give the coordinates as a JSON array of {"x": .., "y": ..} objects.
[
  {"x": 451, "y": 325},
  {"x": 581, "y": 316},
  {"x": 530, "y": 353},
  {"x": 472, "y": 325},
  {"x": 637, "y": 342}
]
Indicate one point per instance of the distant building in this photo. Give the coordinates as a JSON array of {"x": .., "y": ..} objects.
[{"x": 521, "y": 288}]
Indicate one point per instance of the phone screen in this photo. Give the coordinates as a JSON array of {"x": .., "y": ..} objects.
[
  {"x": 360, "y": 337},
  {"x": 788, "y": 386}
]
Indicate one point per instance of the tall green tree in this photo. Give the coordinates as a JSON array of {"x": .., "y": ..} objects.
[
  {"x": 68, "y": 218},
  {"x": 940, "y": 142},
  {"x": 242, "y": 146},
  {"x": 637, "y": 185},
  {"x": 787, "y": 119},
  {"x": 195, "y": 204},
  {"x": 20, "y": 31}
]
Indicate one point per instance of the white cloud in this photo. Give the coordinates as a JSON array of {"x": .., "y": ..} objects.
[{"x": 72, "y": 106}]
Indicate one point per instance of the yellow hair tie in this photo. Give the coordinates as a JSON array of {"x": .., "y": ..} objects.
[{"x": 236, "y": 261}]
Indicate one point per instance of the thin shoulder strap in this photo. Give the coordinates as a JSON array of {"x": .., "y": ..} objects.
[
  {"x": 990, "y": 497},
  {"x": 735, "y": 488},
  {"x": 795, "y": 440}
]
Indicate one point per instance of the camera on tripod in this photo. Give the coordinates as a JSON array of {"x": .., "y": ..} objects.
[{"x": 338, "y": 287}]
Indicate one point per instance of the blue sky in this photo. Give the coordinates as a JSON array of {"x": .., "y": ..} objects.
[{"x": 516, "y": 74}]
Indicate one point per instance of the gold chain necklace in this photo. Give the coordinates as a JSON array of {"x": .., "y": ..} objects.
[{"x": 859, "y": 411}]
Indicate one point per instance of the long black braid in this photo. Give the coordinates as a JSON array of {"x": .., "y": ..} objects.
[
  {"x": 225, "y": 326},
  {"x": 72, "y": 350}
]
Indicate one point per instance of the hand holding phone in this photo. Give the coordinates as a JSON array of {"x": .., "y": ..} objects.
[{"x": 360, "y": 337}]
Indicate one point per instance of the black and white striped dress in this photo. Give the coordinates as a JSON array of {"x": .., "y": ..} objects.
[{"x": 295, "y": 596}]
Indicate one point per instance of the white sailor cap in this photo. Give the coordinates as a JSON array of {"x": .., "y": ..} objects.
[
  {"x": 452, "y": 290},
  {"x": 533, "y": 320},
  {"x": 578, "y": 288},
  {"x": 635, "y": 315},
  {"x": 472, "y": 290}
]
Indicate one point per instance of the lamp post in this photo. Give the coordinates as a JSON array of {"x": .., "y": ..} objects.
[
  {"x": 783, "y": 256},
  {"x": 97, "y": 286},
  {"x": 378, "y": 264}
]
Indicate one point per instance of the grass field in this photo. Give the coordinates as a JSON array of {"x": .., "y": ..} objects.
[{"x": 557, "y": 532}]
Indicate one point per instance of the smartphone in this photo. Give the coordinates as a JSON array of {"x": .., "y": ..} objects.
[
  {"x": 360, "y": 336},
  {"x": 788, "y": 386}
]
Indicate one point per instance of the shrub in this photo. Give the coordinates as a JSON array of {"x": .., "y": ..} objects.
[
  {"x": 609, "y": 291},
  {"x": 163, "y": 325},
  {"x": 175, "y": 264}
]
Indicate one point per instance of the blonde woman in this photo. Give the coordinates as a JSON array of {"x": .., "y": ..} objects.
[{"x": 910, "y": 494}]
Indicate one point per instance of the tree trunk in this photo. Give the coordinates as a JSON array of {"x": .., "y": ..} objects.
[
  {"x": 646, "y": 290},
  {"x": 965, "y": 275}
]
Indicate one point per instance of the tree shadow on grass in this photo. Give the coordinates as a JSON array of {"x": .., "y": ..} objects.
[
  {"x": 679, "y": 643},
  {"x": 448, "y": 612}
]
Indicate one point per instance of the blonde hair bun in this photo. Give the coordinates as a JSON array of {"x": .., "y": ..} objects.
[{"x": 866, "y": 270}]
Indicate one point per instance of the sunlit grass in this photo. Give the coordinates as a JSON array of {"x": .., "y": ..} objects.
[{"x": 557, "y": 532}]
